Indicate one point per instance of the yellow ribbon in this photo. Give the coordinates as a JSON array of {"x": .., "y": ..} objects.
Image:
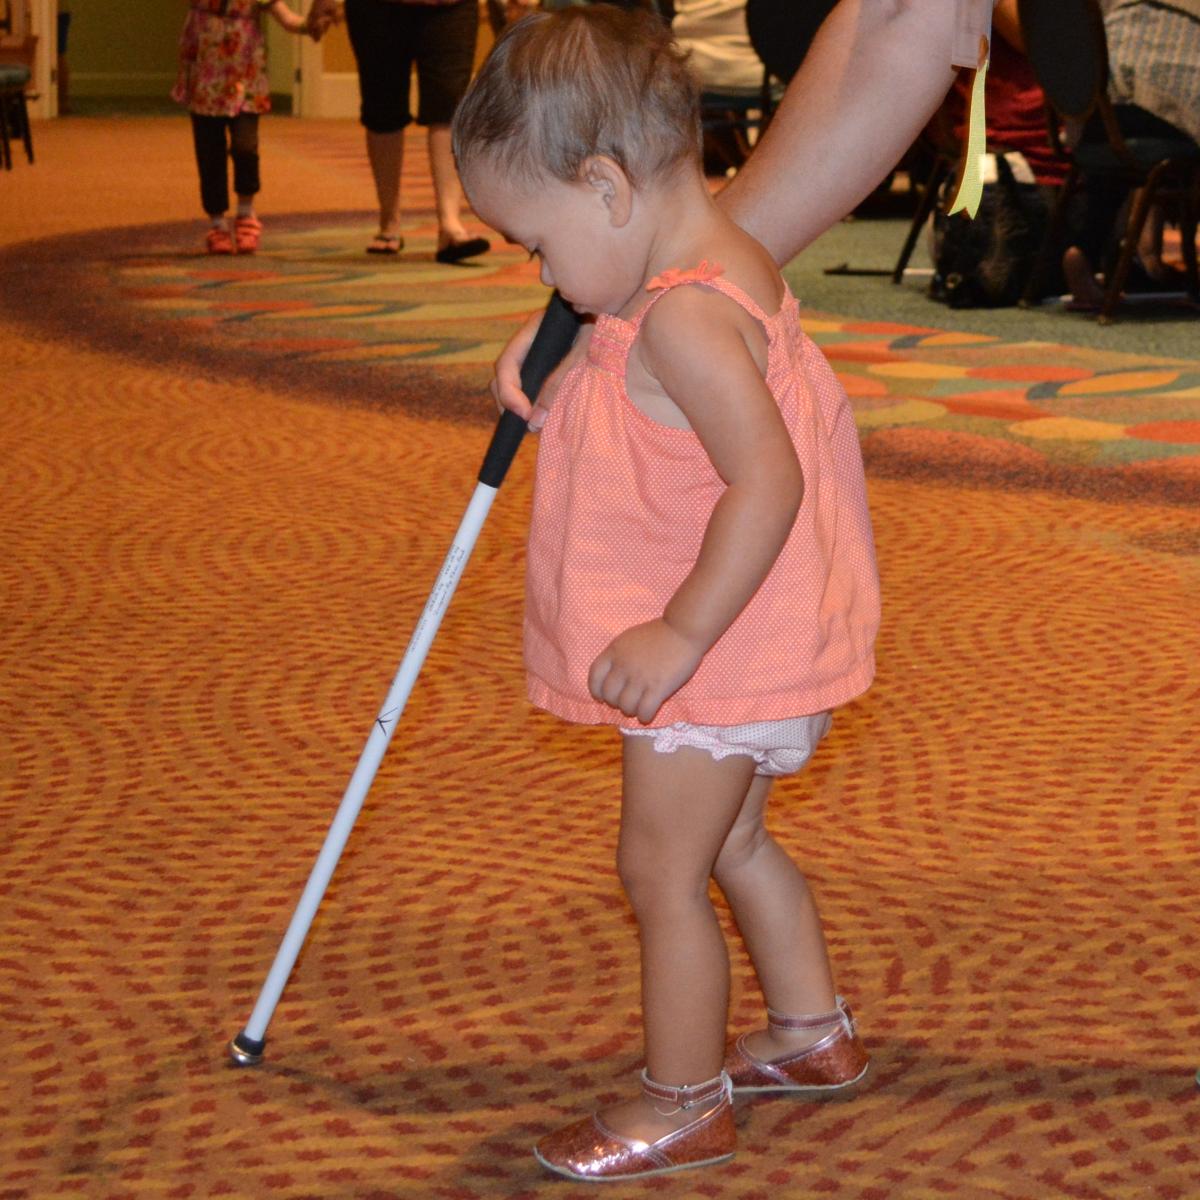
[{"x": 970, "y": 174}]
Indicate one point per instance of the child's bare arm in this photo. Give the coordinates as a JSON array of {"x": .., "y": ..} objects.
[
  {"x": 506, "y": 382},
  {"x": 703, "y": 361},
  {"x": 291, "y": 21}
]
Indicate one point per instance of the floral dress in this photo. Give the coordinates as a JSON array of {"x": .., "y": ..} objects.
[{"x": 223, "y": 59}]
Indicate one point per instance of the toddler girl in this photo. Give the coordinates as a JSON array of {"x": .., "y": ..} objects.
[
  {"x": 701, "y": 572},
  {"x": 223, "y": 81}
]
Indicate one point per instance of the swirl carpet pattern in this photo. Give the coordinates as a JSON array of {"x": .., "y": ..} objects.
[{"x": 228, "y": 491}]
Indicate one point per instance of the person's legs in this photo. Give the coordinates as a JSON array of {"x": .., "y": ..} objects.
[
  {"x": 676, "y": 813},
  {"x": 447, "y": 190},
  {"x": 209, "y": 140},
  {"x": 386, "y": 154},
  {"x": 778, "y": 920},
  {"x": 1104, "y": 208},
  {"x": 243, "y": 149},
  {"x": 445, "y": 55},
  {"x": 381, "y": 36}
]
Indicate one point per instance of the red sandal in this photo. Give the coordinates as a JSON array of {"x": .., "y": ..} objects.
[
  {"x": 218, "y": 241},
  {"x": 247, "y": 231}
]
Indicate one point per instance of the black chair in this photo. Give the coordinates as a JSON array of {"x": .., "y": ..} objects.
[
  {"x": 1066, "y": 45},
  {"x": 733, "y": 121},
  {"x": 16, "y": 70},
  {"x": 14, "y": 112},
  {"x": 780, "y": 33},
  {"x": 944, "y": 152}
]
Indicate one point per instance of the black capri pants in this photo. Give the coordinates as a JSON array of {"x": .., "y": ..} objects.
[
  {"x": 217, "y": 140},
  {"x": 388, "y": 38}
]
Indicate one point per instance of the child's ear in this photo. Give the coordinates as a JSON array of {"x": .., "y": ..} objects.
[{"x": 611, "y": 186}]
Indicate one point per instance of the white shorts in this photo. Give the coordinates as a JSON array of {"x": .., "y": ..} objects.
[{"x": 777, "y": 747}]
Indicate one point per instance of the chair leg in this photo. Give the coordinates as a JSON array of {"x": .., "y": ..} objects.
[
  {"x": 5, "y": 147},
  {"x": 1187, "y": 230},
  {"x": 928, "y": 199},
  {"x": 1144, "y": 197},
  {"x": 1032, "y": 294},
  {"x": 26, "y": 130}
]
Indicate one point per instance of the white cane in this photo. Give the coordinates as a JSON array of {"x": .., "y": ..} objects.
[{"x": 554, "y": 337}]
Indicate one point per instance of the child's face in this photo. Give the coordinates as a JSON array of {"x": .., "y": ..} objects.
[{"x": 570, "y": 227}]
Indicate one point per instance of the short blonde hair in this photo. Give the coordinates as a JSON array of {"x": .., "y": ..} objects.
[{"x": 560, "y": 87}]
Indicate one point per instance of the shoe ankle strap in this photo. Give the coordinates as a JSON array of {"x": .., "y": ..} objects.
[
  {"x": 838, "y": 1016},
  {"x": 688, "y": 1097}
]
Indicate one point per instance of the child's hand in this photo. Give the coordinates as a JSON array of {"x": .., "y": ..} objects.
[
  {"x": 642, "y": 667},
  {"x": 506, "y": 381}
]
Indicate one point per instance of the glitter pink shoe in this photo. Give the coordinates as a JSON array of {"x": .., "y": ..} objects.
[
  {"x": 590, "y": 1152},
  {"x": 834, "y": 1064}
]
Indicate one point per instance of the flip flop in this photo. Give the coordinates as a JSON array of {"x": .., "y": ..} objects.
[
  {"x": 457, "y": 251},
  {"x": 386, "y": 243}
]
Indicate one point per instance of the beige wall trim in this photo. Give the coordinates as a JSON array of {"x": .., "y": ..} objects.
[{"x": 122, "y": 83}]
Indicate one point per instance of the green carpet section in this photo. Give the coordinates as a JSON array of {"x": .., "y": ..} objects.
[{"x": 310, "y": 306}]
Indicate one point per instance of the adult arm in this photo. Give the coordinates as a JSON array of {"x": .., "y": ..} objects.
[{"x": 874, "y": 75}]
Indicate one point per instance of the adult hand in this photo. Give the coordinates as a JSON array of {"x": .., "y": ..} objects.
[
  {"x": 321, "y": 16},
  {"x": 506, "y": 380},
  {"x": 642, "y": 667}
]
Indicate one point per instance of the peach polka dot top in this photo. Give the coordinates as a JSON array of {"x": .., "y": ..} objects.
[{"x": 621, "y": 503}]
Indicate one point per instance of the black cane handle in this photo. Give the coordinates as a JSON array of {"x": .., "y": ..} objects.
[{"x": 554, "y": 338}]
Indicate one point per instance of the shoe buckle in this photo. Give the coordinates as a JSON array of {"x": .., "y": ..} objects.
[{"x": 688, "y": 1097}]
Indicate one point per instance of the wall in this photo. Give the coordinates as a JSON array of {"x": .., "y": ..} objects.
[{"x": 124, "y": 47}]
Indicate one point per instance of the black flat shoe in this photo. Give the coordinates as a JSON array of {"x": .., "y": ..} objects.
[{"x": 457, "y": 251}]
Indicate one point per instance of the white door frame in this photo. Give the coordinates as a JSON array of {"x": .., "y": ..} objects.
[
  {"x": 43, "y": 24},
  {"x": 321, "y": 93}
]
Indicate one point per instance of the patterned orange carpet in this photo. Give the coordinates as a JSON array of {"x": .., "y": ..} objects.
[{"x": 209, "y": 572}]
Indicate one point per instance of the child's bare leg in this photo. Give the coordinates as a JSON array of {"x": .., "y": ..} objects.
[
  {"x": 676, "y": 813},
  {"x": 778, "y": 920}
]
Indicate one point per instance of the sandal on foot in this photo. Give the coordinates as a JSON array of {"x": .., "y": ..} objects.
[
  {"x": 588, "y": 1151},
  {"x": 833, "y": 1064},
  {"x": 246, "y": 232},
  {"x": 386, "y": 243},
  {"x": 457, "y": 251},
  {"x": 218, "y": 241}
]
